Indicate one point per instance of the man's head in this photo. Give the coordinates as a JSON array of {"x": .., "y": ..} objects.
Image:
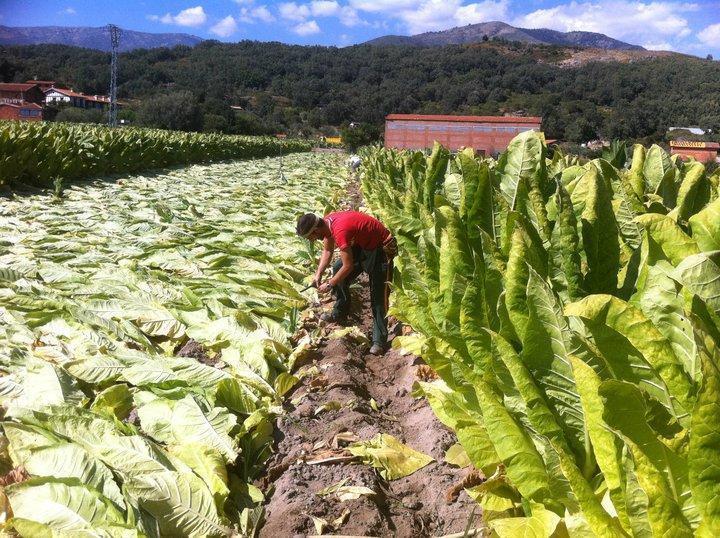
[{"x": 310, "y": 226}]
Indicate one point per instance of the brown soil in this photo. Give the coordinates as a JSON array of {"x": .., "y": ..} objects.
[{"x": 413, "y": 506}]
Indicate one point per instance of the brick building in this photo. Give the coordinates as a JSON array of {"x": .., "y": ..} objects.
[
  {"x": 486, "y": 134},
  {"x": 17, "y": 93},
  {"x": 700, "y": 151},
  {"x": 20, "y": 111}
]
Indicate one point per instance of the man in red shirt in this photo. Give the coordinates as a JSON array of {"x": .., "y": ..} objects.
[{"x": 364, "y": 244}]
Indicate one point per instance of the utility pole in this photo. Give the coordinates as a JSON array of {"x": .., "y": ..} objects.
[{"x": 114, "y": 42}]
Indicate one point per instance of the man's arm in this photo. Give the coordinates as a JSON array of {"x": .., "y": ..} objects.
[
  {"x": 325, "y": 258},
  {"x": 347, "y": 266}
]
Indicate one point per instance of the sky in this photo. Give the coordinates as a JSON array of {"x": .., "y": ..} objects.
[{"x": 691, "y": 27}]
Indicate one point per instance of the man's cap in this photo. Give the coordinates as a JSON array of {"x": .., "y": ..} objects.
[{"x": 307, "y": 224}]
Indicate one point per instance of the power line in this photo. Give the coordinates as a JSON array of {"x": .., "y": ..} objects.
[{"x": 114, "y": 42}]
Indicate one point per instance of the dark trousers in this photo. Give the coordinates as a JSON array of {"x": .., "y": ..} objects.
[{"x": 373, "y": 262}]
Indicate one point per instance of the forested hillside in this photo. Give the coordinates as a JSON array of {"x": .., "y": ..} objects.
[{"x": 294, "y": 88}]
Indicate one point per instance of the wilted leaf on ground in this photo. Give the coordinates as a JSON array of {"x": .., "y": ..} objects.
[
  {"x": 393, "y": 458},
  {"x": 351, "y": 333}
]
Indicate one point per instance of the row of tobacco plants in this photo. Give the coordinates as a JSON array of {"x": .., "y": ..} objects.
[
  {"x": 572, "y": 313},
  {"x": 145, "y": 346},
  {"x": 41, "y": 153}
]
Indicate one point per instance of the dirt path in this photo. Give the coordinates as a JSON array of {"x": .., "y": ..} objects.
[{"x": 375, "y": 394}]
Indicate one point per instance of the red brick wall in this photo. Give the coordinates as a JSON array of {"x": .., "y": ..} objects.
[
  {"x": 702, "y": 155},
  {"x": 13, "y": 113},
  {"x": 486, "y": 136}
]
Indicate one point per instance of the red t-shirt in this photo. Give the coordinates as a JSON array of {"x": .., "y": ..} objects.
[{"x": 353, "y": 228}]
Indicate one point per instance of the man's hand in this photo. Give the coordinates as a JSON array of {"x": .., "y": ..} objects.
[
  {"x": 325, "y": 287},
  {"x": 316, "y": 282}
]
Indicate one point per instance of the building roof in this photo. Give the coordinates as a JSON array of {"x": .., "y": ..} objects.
[
  {"x": 15, "y": 86},
  {"x": 467, "y": 119},
  {"x": 24, "y": 104},
  {"x": 693, "y": 144},
  {"x": 65, "y": 91},
  {"x": 70, "y": 93}
]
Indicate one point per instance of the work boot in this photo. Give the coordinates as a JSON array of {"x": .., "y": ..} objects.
[{"x": 376, "y": 349}]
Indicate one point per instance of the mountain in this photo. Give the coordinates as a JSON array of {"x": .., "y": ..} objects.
[
  {"x": 91, "y": 38},
  {"x": 473, "y": 33}
]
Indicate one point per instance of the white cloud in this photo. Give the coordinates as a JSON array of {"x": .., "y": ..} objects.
[
  {"x": 347, "y": 15},
  {"x": 710, "y": 35},
  {"x": 417, "y": 16},
  {"x": 324, "y": 8},
  {"x": 262, "y": 13},
  {"x": 294, "y": 12},
  {"x": 658, "y": 46},
  {"x": 245, "y": 2},
  {"x": 307, "y": 28},
  {"x": 193, "y": 16},
  {"x": 384, "y": 6},
  {"x": 225, "y": 28},
  {"x": 252, "y": 15},
  {"x": 69, "y": 11},
  {"x": 630, "y": 21}
]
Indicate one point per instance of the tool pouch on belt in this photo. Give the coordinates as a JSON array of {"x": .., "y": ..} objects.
[{"x": 390, "y": 248}]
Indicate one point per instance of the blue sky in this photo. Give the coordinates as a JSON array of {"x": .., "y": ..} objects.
[{"x": 684, "y": 26}]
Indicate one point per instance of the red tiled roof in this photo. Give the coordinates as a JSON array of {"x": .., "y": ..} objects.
[
  {"x": 22, "y": 105},
  {"x": 70, "y": 93},
  {"x": 473, "y": 119},
  {"x": 65, "y": 91},
  {"x": 15, "y": 86}
]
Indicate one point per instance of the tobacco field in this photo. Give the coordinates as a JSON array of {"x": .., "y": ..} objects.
[
  {"x": 572, "y": 313},
  {"x": 144, "y": 345}
]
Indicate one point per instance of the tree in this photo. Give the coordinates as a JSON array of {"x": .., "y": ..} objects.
[
  {"x": 709, "y": 57},
  {"x": 215, "y": 123},
  {"x": 355, "y": 135},
  {"x": 177, "y": 111},
  {"x": 80, "y": 115}
]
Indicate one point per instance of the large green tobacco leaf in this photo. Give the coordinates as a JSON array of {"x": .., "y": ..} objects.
[
  {"x": 606, "y": 447},
  {"x": 524, "y": 154},
  {"x": 694, "y": 191},
  {"x": 661, "y": 472},
  {"x": 700, "y": 274},
  {"x": 546, "y": 355},
  {"x": 659, "y": 173},
  {"x": 523, "y": 463},
  {"x": 675, "y": 244},
  {"x": 666, "y": 379},
  {"x": 181, "y": 503},
  {"x": 63, "y": 505},
  {"x": 600, "y": 237},
  {"x": 541, "y": 524},
  {"x": 705, "y": 226},
  {"x": 704, "y": 446},
  {"x": 543, "y": 419}
]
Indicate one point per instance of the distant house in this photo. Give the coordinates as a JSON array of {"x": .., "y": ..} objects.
[
  {"x": 486, "y": 134},
  {"x": 700, "y": 151},
  {"x": 44, "y": 84},
  {"x": 17, "y": 93},
  {"x": 20, "y": 111},
  {"x": 55, "y": 95}
]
